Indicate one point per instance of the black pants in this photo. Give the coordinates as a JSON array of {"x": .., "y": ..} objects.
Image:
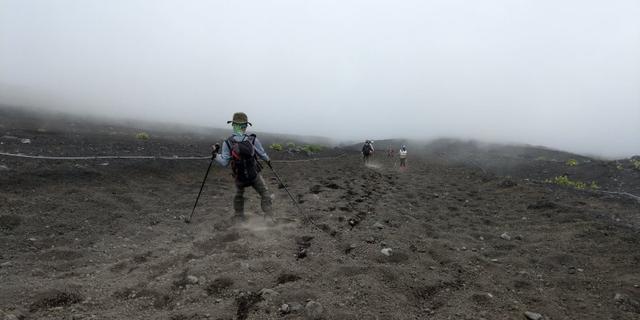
[{"x": 261, "y": 188}]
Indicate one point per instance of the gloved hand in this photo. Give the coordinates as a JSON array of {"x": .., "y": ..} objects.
[{"x": 215, "y": 149}]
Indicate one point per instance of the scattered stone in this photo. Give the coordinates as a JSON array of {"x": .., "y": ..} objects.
[
  {"x": 532, "y": 315},
  {"x": 287, "y": 277},
  {"x": 3, "y": 167},
  {"x": 284, "y": 308},
  {"x": 378, "y": 225},
  {"x": 495, "y": 260},
  {"x": 350, "y": 248},
  {"x": 505, "y": 236},
  {"x": 313, "y": 310},
  {"x": 245, "y": 302},
  {"x": 295, "y": 306},
  {"x": 507, "y": 183},
  {"x": 25, "y": 141},
  {"x": 192, "y": 279},
  {"x": 386, "y": 251},
  {"x": 618, "y": 297},
  {"x": 5, "y": 264},
  {"x": 316, "y": 189},
  {"x": 519, "y": 237},
  {"x": 268, "y": 293},
  {"x": 304, "y": 243},
  {"x": 219, "y": 285}
]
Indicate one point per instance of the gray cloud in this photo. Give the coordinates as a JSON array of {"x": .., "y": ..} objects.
[{"x": 561, "y": 74}]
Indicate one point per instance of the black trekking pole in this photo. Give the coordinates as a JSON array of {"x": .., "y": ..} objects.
[
  {"x": 295, "y": 202},
  {"x": 188, "y": 220},
  {"x": 284, "y": 186}
]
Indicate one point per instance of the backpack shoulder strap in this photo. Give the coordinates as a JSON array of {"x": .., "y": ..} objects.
[
  {"x": 252, "y": 138},
  {"x": 229, "y": 141}
]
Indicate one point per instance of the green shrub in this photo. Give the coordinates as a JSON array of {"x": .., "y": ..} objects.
[
  {"x": 291, "y": 145},
  {"x": 142, "y": 136},
  {"x": 636, "y": 164},
  {"x": 312, "y": 148},
  {"x": 572, "y": 162},
  {"x": 276, "y": 147},
  {"x": 565, "y": 181}
]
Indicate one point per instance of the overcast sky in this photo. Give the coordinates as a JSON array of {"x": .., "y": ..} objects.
[{"x": 564, "y": 74}]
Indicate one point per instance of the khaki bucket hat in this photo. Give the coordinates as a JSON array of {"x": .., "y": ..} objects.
[{"x": 241, "y": 118}]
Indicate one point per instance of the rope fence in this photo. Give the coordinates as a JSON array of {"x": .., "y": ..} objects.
[{"x": 19, "y": 155}]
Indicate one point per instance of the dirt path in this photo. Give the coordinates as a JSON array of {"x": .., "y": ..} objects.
[{"x": 82, "y": 240}]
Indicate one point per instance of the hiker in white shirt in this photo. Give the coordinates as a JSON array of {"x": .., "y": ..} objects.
[{"x": 403, "y": 156}]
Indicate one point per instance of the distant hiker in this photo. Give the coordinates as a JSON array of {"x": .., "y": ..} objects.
[
  {"x": 403, "y": 156},
  {"x": 242, "y": 152},
  {"x": 367, "y": 150},
  {"x": 390, "y": 152}
]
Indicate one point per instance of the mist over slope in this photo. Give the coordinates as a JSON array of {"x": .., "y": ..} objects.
[{"x": 564, "y": 75}]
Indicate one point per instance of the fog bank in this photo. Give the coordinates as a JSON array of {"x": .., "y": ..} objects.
[{"x": 560, "y": 74}]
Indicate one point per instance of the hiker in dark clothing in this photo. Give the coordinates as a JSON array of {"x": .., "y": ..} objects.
[
  {"x": 242, "y": 152},
  {"x": 367, "y": 151}
]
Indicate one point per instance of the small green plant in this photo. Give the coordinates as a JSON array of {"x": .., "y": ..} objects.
[
  {"x": 276, "y": 147},
  {"x": 636, "y": 164},
  {"x": 572, "y": 162},
  {"x": 619, "y": 166},
  {"x": 142, "y": 136},
  {"x": 312, "y": 148},
  {"x": 291, "y": 145},
  {"x": 565, "y": 181}
]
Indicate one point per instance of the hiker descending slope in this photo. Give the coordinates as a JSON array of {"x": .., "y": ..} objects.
[
  {"x": 367, "y": 150},
  {"x": 242, "y": 152},
  {"x": 403, "y": 156}
]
